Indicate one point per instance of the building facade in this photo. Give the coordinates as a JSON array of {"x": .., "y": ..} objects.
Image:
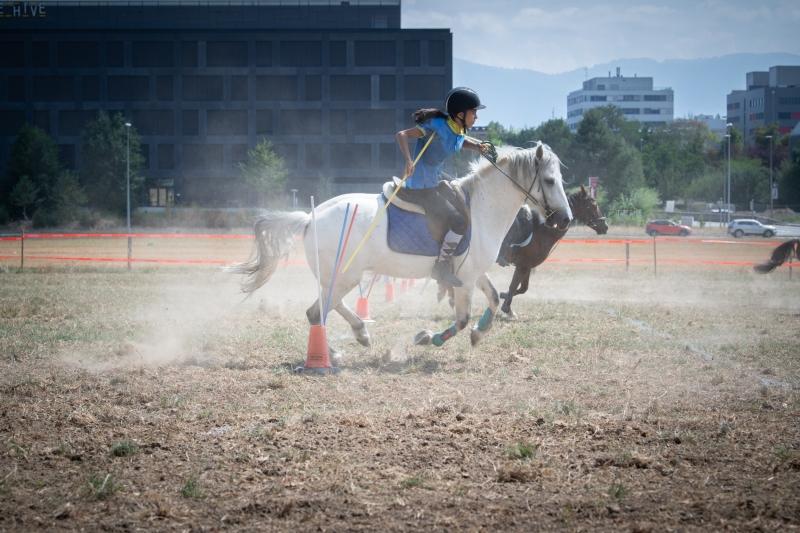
[
  {"x": 771, "y": 97},
  {"x": 327, "y": 82},
  {"x": 635, "y": 97}
]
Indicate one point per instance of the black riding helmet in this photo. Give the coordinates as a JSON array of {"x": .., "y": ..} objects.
[{"x": 461, "y": 99}]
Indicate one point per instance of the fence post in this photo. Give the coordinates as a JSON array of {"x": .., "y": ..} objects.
[
  {"x": 22, "y": 250},
  {"x": 655, "y": 261},
  {"x": 130, "y": 246},
  {"x": 627, "y": 255}
]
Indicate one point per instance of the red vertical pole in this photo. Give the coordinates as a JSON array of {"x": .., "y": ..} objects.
[
  {"x": 655, "y": 261},
  {"x": 22, "y": 249}
]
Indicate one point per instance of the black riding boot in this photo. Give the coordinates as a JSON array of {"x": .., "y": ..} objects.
[{"x": 443, "y": 268}]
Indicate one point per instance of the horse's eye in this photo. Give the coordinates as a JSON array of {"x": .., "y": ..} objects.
[{"x": 550, "y": 181}]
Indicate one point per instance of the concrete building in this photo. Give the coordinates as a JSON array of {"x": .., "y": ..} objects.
[
  {"x": 328, "y": 82},
  {"x": 635, "y": 97},
  {"x": 771, "y": 97}
]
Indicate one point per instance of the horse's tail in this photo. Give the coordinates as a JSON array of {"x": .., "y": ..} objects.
[
  {"x": 274, "y": 237},
  {"x": 780, "y": 255}
]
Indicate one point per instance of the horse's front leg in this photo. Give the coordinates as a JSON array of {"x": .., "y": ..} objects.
[
  {"x": 487, "y": 318},
  {"x": 519, "y": 278},
  {"x": 463, "y": 297}
]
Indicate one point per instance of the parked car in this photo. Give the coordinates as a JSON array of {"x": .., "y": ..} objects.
[
  {"x": 666, "y": 227},
  {"x": 750, "y": 226}
]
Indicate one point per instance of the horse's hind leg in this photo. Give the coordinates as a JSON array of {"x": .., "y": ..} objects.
[
  {"x": 359, "y": 326},
  {"x": 485, "y": 322}
]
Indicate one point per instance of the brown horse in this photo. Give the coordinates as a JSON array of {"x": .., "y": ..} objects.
[
  {"x": 537, "y": 238},
  {"x": 780, "y": 255}
]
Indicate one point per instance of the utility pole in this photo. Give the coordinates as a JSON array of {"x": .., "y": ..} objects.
[{"x": 128, "y": 186}]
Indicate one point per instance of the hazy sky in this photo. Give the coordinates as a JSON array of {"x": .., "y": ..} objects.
[{"x": 557, "y": 36}]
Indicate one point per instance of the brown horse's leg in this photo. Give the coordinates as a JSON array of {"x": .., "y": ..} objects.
[{"x": 519, "y": 278}]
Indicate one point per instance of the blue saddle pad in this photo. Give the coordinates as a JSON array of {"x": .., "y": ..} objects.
[{"x": 408, "y": 233}]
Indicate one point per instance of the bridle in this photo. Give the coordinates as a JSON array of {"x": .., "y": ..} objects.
[
  {"x": 592, "y": 223},
  {"x": 527, "y": 192}
]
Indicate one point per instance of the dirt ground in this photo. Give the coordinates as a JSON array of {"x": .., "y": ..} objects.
[{"x": 160, "y": 400}]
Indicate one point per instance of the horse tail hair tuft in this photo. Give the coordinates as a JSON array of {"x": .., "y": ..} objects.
[
  {"x": 780, "y": 255},
  {"x": 274, "y": 238}
]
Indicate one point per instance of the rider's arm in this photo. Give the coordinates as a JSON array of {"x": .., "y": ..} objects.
[
  {"x": 482, "y": 147},
  {"x": 402, "y": 138}
]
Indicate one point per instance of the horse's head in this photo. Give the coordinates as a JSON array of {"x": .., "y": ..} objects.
[
  {"x": 538, "y": 172},
  {"x": 586, "y": 210}
]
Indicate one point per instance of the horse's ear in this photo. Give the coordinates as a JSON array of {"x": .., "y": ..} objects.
[
  {"x": 539, "y": 152},
  {"x": 583, "y": 191}
]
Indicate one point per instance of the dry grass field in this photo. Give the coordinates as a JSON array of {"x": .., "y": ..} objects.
[{"x": 160, "y": 400}]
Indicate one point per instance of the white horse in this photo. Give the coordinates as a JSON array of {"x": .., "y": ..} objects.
[{"x": 496, "y": 194}]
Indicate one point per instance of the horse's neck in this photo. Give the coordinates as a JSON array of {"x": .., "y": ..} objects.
[{"x": 495, "y": 201}]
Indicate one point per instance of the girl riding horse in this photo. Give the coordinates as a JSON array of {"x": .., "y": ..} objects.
[{"x": 438, "y": 136}]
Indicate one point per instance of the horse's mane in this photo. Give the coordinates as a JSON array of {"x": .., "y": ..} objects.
[{"x": 517, "y": 157}]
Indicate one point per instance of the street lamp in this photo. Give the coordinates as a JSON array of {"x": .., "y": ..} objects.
[
  {"x": 128, "y": 185},
  {"x": 770, "y": 173},
  {"x": 728, "y": 186}
]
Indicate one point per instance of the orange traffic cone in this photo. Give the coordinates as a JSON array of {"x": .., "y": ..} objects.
[
  {"x": 362, "y": 308},
  {"x": 389, "y": 290},
  {"x": 317, "y": 358}
]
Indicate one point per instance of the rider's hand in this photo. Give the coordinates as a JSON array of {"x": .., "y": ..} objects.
[
  {"x": 489, "y": 151},
  {"x": 409, "y": 168}
]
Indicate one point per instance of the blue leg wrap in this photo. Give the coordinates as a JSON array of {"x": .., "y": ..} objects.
[
  {"x": 486, "y": 320},
  {"x": 440, "y": 338}
]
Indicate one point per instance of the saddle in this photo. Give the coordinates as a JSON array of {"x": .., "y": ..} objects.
[{"x": 413, "y": 231}]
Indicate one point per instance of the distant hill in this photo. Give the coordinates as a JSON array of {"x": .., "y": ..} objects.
[{"x": 523, "y": 98}]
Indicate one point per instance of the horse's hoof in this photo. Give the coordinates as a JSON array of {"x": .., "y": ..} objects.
[
  {"x": 335, "y": 356},
  {"x": 364, "y": 340},
  {"x": 475, "y": 336},
  {"x": 423, "y": 338}
]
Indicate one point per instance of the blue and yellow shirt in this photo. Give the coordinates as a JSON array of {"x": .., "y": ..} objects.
[{"x": 449, "y": 140}]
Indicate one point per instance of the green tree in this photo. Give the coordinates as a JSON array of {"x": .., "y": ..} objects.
[
  {"x": 634, "y": 207},
  {"x": 104, "y": 152},
  {"x": 556, "y": 134},
  {"x": 24, "y": 195},
  {"x": 35, "y": 155},
  {"x": 749, "y": 181},
  {"x": 789, "y": 181},
  {"x": 265, "y": 172},
  {"x": 599, "y": 151}
]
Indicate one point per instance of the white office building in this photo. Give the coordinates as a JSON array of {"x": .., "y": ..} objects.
[{"x": 635, "y": 97}]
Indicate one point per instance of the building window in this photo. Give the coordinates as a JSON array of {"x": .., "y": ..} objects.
[
  {"x": 276, "y": 87},
  {"x": 338, "y": 53},
  {"x": 263, "y": 121},
  {"x": 226, "y": 122},
  {"x": 164, "y": 88},
  {"x": 41, "y": 119},
  {"x": 13, "y": 54},
  {"x": 202, "y": 156},
  {"x": 300, "y": 53},
  {"x": 239, "y": 88},
  {"x": 226, "y": 54},
  {"x": 289, "y": 154},
  {"x": 651, "y": 111},
  {"x": 630, "y": 110},
  {"x": 189, "y": 54},
  {"x": 153, "y": 54},
  {"x": 202, "y": 88},
  {"x": 387, "y": 155},
  {"x": 351, "y": 155},
  {"x": 263, "y": 53},
  {"x": 375, "y": 121},
  {"x": 11, "y": 120},
  {"x": 90, "y": 88},
  {"x": 114, "y": 54},
  {"x": 190, "y": 122},
  {"x": 301, "y": 122},
  {"x": 659, "y": 98},
  {"x": 355, "y": 88},
  {"x": 128, "y": 88},
  {"x": 411, "y": 54},
  {"x": 375, "y": 53},
  {"x": 436, "y": 53},
  {"x": 166, "y": 156},
  {"x": 388, "y": 90},
  {"x": 154, "y": 121},
  {"x": 73, "y": 54},
  {"x": 238, "y": 154},
  {"x": 315, "y": 156},
  {"x": 52, "y": 88},
  {"x": 596, "y": 98},
  {"x": 161, "y": 196},
  {"x": 313, "y": 88},
  {"x": 41, "y": 54},
  {"x": 424, "y": 87}
]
